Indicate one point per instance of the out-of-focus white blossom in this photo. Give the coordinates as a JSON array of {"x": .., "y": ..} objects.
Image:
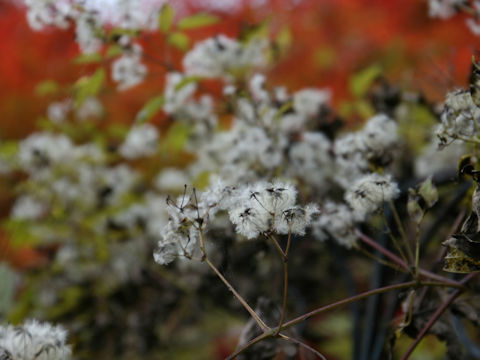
[
  {"x": 336, "y": 221},
  {"x": 257, "y": 88},
  {"x": 128, "y": 70},
  {"x": 43, "y": 13},
  {"x": 142, "y": 140},
  {"x": 473, "y": 25},
  {"x": 368, "y": 194},
  {"x": 434, "y": 159},
  {"x": 307, "y": 102},
  {"x": 443, "y": 9},
  {"x": 221, "y": 56},
  {"x": 350, "y": 159},
  {"x": 34, "y": 341},
  {"x": 176, "y": 98},
  {"x": 379, "y": 136},
  {"x": 171, "y": 179},
  {"x": 43, "y": 149},
  {"x": 91, "y": 108},
  {"x": 311, "y": 159},
  {"x": 27, "y": 208},
  {"x": 57, "y": 111},
  {"x": 86, "y": 31}
]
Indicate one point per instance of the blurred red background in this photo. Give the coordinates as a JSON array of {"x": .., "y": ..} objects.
[{"x": 330, "y": 40}]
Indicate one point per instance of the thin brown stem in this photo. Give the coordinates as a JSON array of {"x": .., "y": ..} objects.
[
  {"x": 285, "y": 278},
  {"x": 320, "y": 310},
  {"x": 400, "y": 262},
  {"x": 401, "y": 230},
  {"x": 285, "y": 290},
  {"x": 302, "y": 344},
  {"x": 289, "y": 240},
  {"x": 272, "y": 332},
  {"x": 437, "y": 315},
  {"x": 277, "y": 246},
  {"x": 247, "y": 307},
  {"x": 395, "y": 241},
  {"x": 384, "y": 262}
]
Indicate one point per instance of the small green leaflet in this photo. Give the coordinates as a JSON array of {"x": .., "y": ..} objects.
[
  {"x": 151, "y": 107},
  {"x": 165, "y": 18},
  {"x": 88, "y": 86},
  {"x": 363, "y": 80},
  {"x": 179, "y": 40},
  {"x": 197, "y": 20}
]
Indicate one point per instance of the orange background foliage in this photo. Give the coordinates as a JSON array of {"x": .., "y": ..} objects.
[{"x": 330, "y": 40}]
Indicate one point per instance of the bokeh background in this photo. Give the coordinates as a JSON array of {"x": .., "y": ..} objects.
[{"x": 326, "y": 43}]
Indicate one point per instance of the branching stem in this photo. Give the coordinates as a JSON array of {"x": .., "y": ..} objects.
[
  {"x": 247, "y": 307},
  {"x": 271, "y": 333},
  {"x": 400, "y": 262},
  {"x": 437, "y": 315}
]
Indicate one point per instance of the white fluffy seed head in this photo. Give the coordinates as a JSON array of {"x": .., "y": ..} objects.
[{"x": 369, "y": 193}]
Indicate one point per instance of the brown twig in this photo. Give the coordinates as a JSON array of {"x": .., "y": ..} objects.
[{"x": 437, "y": 315}]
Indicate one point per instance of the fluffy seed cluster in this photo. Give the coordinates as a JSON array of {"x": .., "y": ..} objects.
[
  {"x": 376, "y": 143},
  {"x": 368, "y": 194},
  {"x": 460, "y": 117},
  {"x": 33, "y": 341},
  {"x": 337, "y": 222},
  {"x": 253, "y": 210},
  {"x": 269, "y": 206}
]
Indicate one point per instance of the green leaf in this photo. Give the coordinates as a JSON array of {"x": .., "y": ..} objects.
[
  {"x": 47, "y": 87},
  {"x": 117, "y": 32},
  {"x": 19, "y": 232},
  {"x": 88, "y": 59},
  {"x": 70, "y": 298},
  {"x": 428, "y": 192},
  {"x": 256, "y": 31},
  {"x": 150, "y": 108},
  {"x": 414, "y": 209},
  {"x": 284, "y": 39},
  {"x": 176, "y": 137},
  {"x": 179, "y": 40},
  {"x": 165, "y": 18},
  {"x": 361, "y": 81},
  {"x": 89, "y": 86},
  {"x": 197, "y": 20},
  {"x": 325, "y": 57},
  {"x": 283, "y": 109},
  {"x": 457, "y": 262},
  {"x": 117, "y": 131},
  {"x": 113, "y": 51},
  {"x": 187, "y": 80}
]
